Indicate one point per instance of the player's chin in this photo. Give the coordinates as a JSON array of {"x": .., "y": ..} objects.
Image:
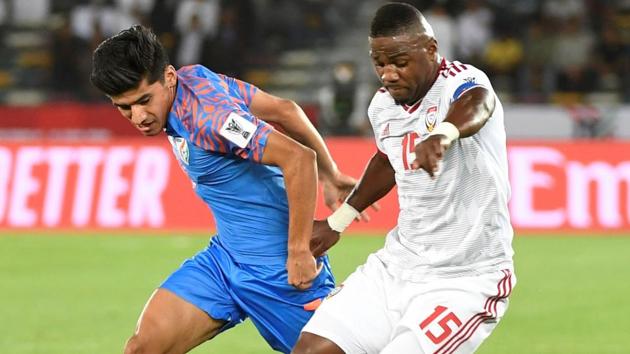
[
  {"x": 149, "y": 132},
  {"x": 400, "y": 94}
]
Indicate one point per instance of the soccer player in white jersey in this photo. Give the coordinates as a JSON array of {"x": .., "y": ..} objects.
[{"x": 441, "y": 282}]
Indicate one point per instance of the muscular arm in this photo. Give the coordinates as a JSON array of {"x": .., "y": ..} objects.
[
  {"x": 471, "y": 111},
  {"x": 297, "y": 163},
  {"x": 377, "y": 180},
  {"x": 292, "y": 119}
]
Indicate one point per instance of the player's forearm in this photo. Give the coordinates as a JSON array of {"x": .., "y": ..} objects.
[
  {"x": 300, "y": 178},
  {"x": 471, "y": 111},
  {"x": 297, "y": 125},
  {"x": 377, "y": 180},
  {"x": 292, "y": 119}
]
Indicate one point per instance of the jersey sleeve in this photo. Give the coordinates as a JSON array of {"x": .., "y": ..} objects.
[
  {"x": 379, "y": 130},
  {"x": 245, "y": 90},
  {"x": 464, "y": 79},
  {"x": 219, "y": 125}
]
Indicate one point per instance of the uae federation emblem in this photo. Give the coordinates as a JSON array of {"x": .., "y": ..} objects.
[{"x": 430, "y": 118}]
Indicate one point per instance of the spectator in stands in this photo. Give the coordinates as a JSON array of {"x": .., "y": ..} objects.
[
  {"x": 609, "y": 56},
  {"x": 191, "y": 42},
  {"x": 502, "y": 60},
  {"x": 229, "y": 43},
  {"x": 69, "y": 70},
  {"x": 573, "y": 48},
  {"x": 473, "y": 31},
  {"x": 538, "y": 76},
  {"x": 207, "y": 15},
  {"x": 444, "y": 29},
  {"x": 99, "y": 16}
]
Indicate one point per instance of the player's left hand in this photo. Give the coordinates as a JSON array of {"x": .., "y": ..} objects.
[
  {"x": 429, "y": 153},
  {"x": 302, "y": 269},
  {"x": 337, "y": 189},
  {"x": 323, "y": 238}
]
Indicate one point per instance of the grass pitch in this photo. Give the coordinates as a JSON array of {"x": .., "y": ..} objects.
[{"x": 83, "y": 294}]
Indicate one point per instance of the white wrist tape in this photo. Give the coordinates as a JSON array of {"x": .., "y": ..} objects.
[
  {"x": 342, "y": 217},
  {"x": 447, "y": 129}
]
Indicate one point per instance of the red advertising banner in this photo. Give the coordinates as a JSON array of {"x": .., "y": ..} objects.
[
  {"x": 136, "y": 183},
  {"x": 570, "y": 186}
]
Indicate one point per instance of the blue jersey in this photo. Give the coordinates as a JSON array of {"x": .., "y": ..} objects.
[
  {"x": 219, "y": 144},
  {"x": 242, "y": 273}
]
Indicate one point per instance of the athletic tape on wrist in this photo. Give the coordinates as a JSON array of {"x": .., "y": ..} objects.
[
  {"x": 342, "y": 217},
  {"x": 447, "y": 129}
]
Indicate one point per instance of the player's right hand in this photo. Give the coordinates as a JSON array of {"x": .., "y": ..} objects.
[
  {"x": 323, "y": 238},
  {"x": 429, "y": 153},
  {"x": 302, "y": 269}
]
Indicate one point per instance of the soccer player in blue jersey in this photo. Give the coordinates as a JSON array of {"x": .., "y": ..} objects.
[{"x": 260, "y": 184}]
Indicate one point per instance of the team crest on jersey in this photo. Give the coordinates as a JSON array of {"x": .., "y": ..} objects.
[
  {"x": 180, "y": 146},
  {"x": 431, "y": 118}
]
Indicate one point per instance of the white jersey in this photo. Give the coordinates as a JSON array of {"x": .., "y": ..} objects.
[{"x": 458, "y": 223}]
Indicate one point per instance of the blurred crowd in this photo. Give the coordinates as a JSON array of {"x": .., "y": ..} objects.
[
  {"x": 46, "y": 45},
  {"x": 540, "y": 51},
  {"x": 533, "y": 50}
]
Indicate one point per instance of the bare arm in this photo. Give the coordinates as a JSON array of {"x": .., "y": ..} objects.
[
  {"x": 292, "y": 119},
  {"x": 471, "y": 111},
  {"x": 377, "y": 180},
  {"x": 297, "y": 163}
]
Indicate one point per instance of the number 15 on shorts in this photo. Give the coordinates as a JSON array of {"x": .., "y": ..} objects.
[{"x": 444, "y": 318}]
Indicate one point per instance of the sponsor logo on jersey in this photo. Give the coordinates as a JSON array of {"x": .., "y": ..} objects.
[
  {"x": 431, "y": 118},
  {"x": 180, "y": 147},
  {"x": 238, "y": 130}
]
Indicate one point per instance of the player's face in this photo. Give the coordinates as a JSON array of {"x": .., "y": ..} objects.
[
  {"x": 405, "y": 64},
  {"x": 148, "y": 105}
]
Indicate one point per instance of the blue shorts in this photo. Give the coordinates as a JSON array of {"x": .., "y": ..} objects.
[{"x": 230, "y": 291}]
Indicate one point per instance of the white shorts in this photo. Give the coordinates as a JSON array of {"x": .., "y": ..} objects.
[{"x": 446, "y": 315}]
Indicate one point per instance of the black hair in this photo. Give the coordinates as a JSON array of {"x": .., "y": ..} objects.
[
  {"x": 121, "y": 62},
  {"x": 395, "y": 18}
]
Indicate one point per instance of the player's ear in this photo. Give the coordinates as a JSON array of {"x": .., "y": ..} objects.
[
  {"x": 170, "y": 76},
  {"x": 432, "y": 49}
]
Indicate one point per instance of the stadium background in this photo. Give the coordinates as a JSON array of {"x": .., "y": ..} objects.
[{"x": 90, "y": 214}]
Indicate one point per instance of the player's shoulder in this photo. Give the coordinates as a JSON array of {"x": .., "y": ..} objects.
[
  {"x": 456, "y": 70},
  {"x": 198, "y": 77},
  {"x": 459, "y": 77},
  {"x": 195, "y": 70},
  {"x": 381, "y": 99}
]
